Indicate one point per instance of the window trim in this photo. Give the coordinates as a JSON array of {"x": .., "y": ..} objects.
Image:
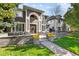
[{"x": 20, "y": 23}]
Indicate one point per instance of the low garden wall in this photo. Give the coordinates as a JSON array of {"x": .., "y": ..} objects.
[{"x": 6, "y": 40}]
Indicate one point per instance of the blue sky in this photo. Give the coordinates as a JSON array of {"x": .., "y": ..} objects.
[{"x": 49, "y": 7}]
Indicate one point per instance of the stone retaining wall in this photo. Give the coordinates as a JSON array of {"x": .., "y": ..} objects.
[
  {"x": 13, "y": 41},
  {"x": 6, "y": 41}
]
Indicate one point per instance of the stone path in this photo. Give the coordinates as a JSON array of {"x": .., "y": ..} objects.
[
  {"x": 56, "y": 49},
  {"x": 61, "y": 34}
]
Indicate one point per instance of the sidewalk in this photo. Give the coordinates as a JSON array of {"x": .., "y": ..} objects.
[{"x": 56, "y": 49}]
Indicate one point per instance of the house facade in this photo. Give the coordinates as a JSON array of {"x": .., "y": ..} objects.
[
  {"x": 56, "y": 23},
  {"x": 29, "y": 20}
]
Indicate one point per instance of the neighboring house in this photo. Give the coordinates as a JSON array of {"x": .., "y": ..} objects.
[{"x": 56, "y": 23}]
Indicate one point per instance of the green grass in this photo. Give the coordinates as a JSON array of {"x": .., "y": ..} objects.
[
  {"x": 26, "y": 50},
  {"x": 68, "y": 43},
  {"x": 75, "y": 35}
]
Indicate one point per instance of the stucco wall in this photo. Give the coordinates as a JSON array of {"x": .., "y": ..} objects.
[{"x": 54, "y": 23}]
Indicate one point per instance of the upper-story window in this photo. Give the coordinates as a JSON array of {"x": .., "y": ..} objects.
[
  {"x": 19, "y": 14},
  {"x": 59, "y": 21},
  {"x": 43, "y": 20}
]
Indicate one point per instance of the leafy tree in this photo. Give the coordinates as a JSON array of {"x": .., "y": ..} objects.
[
  {"x": 7, "y": 14},
  {"x": 72, "y": 16}
]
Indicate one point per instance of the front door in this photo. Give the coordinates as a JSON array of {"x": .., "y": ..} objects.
[{"x": 33, "y": 28}]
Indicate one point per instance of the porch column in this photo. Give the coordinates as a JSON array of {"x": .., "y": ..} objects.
[
  {"x": 37, "y": 26},
  {"x": 28, "y": 24},
  {"x": 40, "y": 23},
  {"x": 40, "y": 26}
]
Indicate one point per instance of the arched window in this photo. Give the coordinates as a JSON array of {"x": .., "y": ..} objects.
[{"x": 32, "y": 18}]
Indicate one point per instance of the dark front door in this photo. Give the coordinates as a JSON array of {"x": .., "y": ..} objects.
[{"x": 33, "y": 28}]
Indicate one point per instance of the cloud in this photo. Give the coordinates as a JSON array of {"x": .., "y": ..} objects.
[{"x": 47, "y": 6}]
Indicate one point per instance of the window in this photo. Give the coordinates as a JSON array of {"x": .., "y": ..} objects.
[
  {"x": 50, "y": 30},
  {"x": 59, "y": 28},
  {"x": 22, "y": 27},
  {"x": 53, "y": 29},
  {"x": 19, "y": 27},
  {"x": 43, "y": 27},
  {"x": 59, "y": 21},
  {"x": 19, "y": 14},
  {"x": 43, "y": 20}
]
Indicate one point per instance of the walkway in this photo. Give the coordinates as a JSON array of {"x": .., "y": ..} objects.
[
  {"x": 60, "y": 34},
  {"x": 56, "y": 49}
]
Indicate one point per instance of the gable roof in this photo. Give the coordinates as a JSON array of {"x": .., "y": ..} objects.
[
  {"x": 33, "y": 9},
  {"x": 58, "y": 17},
  {"x": 30, "y": 8}
]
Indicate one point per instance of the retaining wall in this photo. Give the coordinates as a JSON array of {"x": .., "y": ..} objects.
[{"x": 13, "y": 41}]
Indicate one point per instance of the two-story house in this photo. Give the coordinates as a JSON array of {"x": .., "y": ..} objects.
[
  {"x": 29, "y": 20},
  {"x": 56, "y": 23}
]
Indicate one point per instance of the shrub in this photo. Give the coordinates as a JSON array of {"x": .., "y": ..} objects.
[
  {"x": 35, "y": 36},
  {"x": 50, "y": 34}
]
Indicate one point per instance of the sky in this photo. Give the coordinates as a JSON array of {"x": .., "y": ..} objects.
[{"x": 48, "y": 7}]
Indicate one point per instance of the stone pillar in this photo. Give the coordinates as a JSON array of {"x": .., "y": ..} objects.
[
  {"x": 26, "y": 22},
  {"x": 40, "y": 23},
  {"x": 28, "y": 25},
  {"x": 37, "y": 26},
  {"x": 40, "y": 26}
]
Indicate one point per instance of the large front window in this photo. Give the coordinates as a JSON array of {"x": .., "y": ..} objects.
[
  {"x": 43, "y": 27},
  {"x": 19, "y": 26}
]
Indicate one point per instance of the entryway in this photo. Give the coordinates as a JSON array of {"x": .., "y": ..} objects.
[{"x": 32, "y": 28}]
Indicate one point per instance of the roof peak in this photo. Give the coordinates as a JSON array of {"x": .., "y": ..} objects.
[{"x": 31, "y": 8}]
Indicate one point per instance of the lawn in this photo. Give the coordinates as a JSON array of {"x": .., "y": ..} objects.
[
  {"x": 68, "y": 43},
  {"x": 26, "y": 50},
  {"x": 75, "y": 35}
]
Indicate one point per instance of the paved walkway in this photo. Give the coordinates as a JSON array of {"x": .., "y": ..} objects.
[
  {"x": 56, "y": 49},
  {"x": 61, "y": 34}
]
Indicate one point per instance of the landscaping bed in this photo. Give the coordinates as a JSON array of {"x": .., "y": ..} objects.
[
  {"x": 25, "y": 50},
  {"x": 68, "y": 43}
]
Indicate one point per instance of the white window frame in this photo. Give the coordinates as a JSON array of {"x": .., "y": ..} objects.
[{"x": 21, "y": 23}]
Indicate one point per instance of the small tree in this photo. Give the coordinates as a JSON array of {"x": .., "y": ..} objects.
[{"x": 7, "y": 13}]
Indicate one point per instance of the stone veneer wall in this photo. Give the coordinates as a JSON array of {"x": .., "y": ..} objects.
[
  {"x": 13, "y": 41},
  {"x": 6, "y": 41}
]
